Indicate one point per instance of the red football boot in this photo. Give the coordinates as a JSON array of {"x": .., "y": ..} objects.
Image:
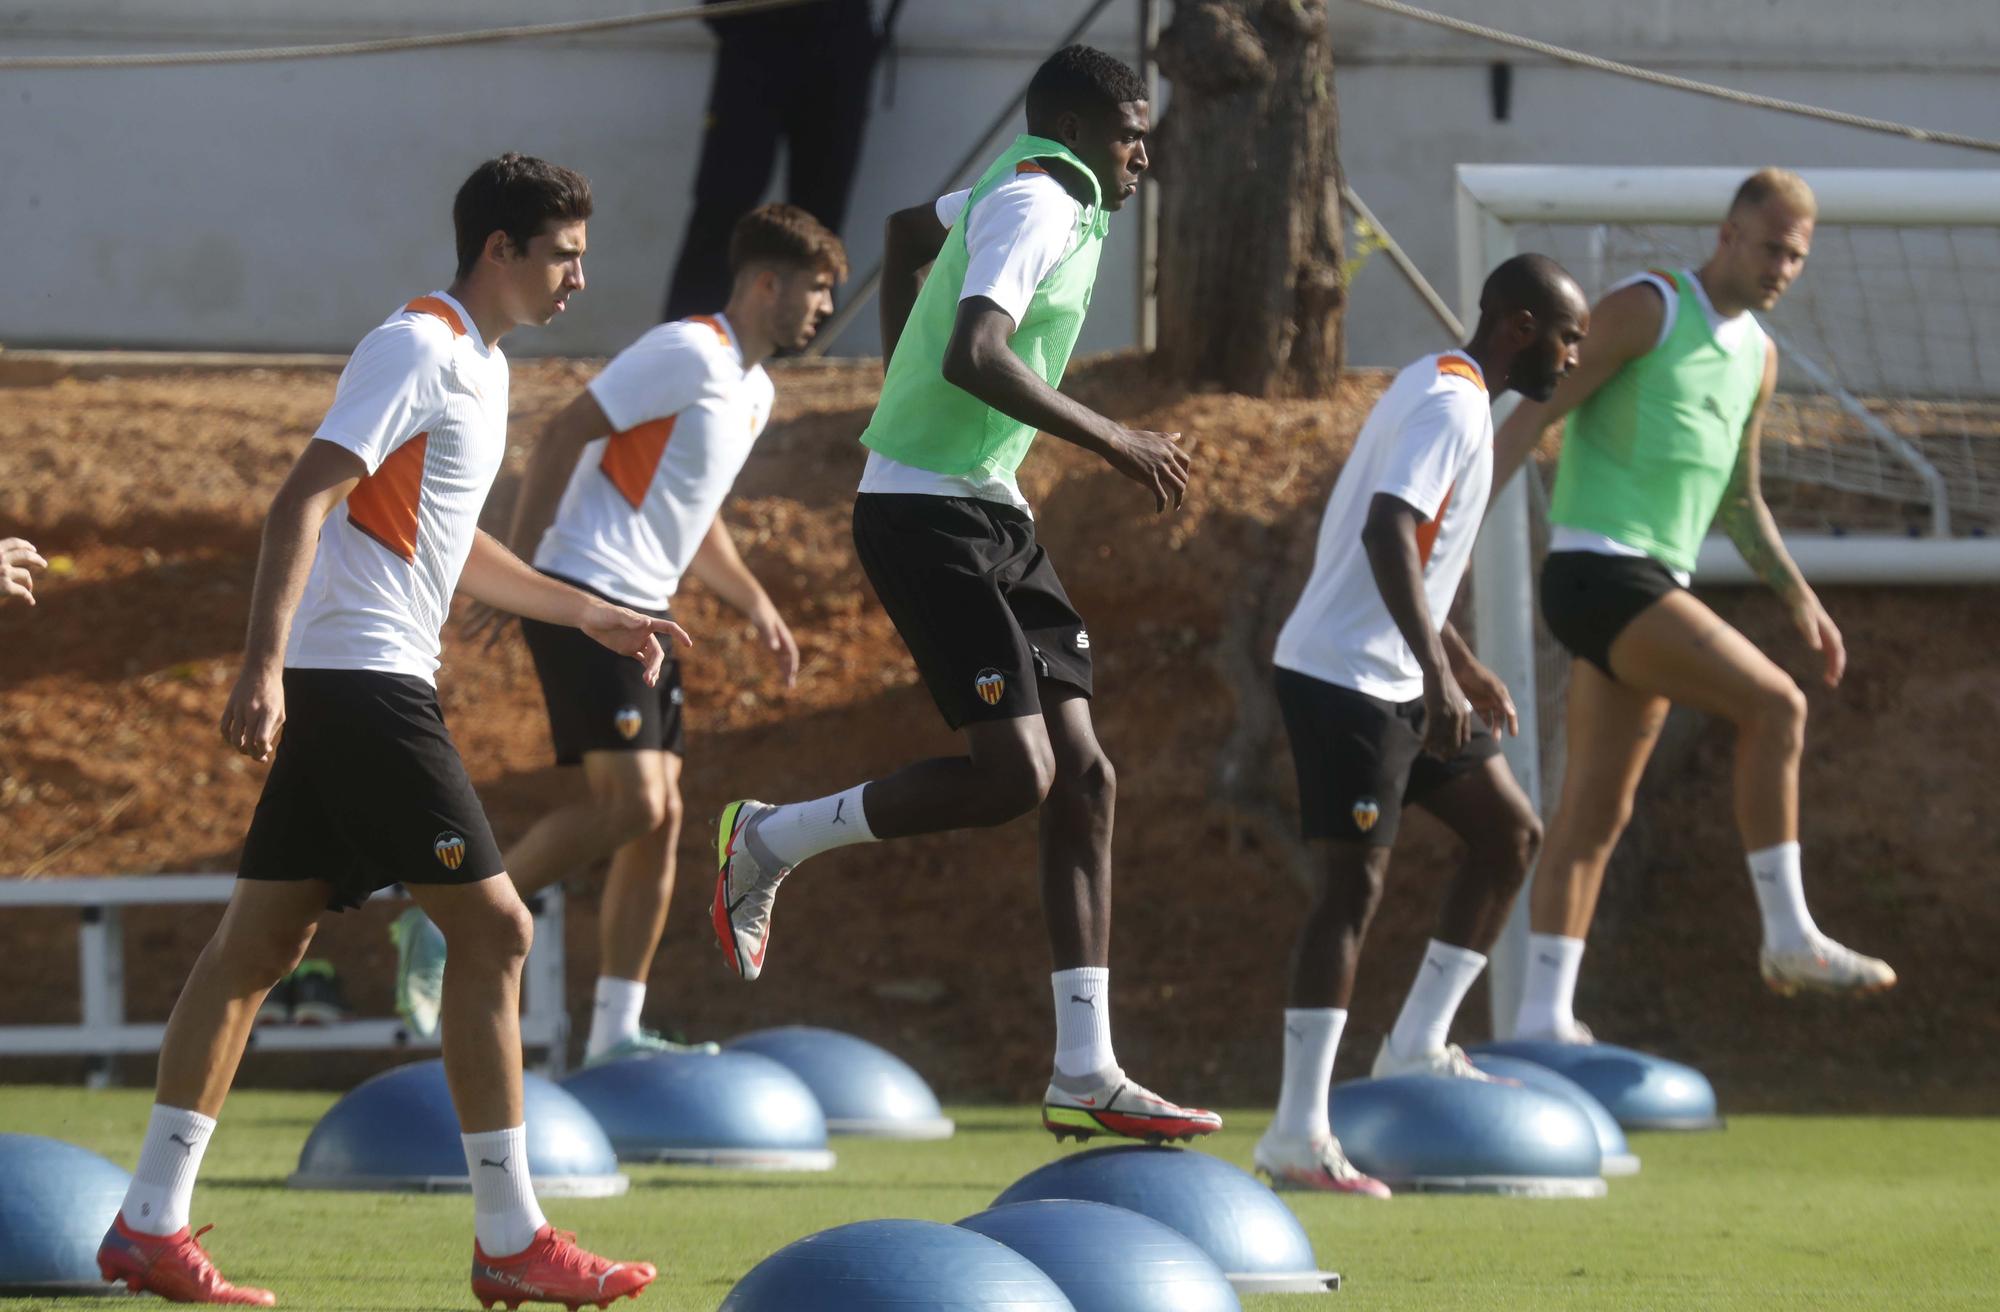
[
  {"x": 172, "y": 1266},
  {"x": 553, "y": 1269}
]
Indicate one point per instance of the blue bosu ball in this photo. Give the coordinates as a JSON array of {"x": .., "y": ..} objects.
[
  {"x": 398, "y": 1131},
  {"x": 1616, "y": 1154},
  {"x": 708, "y": 1109},
  {"x": 864, "y": 1090},
  {"x": 1642, "y": 1091},
  {"x": 57, "y": 1202},
  {"x": 1436, "y": 1134},
  {"x": 1108, "y": 1259},
  {"x": 1243, "y": 1227},
  {"x": 895, "y": 1266}
]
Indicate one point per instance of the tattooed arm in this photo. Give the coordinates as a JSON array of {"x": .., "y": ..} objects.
[{"x": 1747, "y": 521}]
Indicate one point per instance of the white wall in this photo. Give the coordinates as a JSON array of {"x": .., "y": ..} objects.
[{"x": 288, "y": 206}]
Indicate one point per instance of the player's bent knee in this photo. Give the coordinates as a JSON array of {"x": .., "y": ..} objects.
[
  {"x": 501, "y": 934},
  {"x": 1778, "y": 715},
  {"x": 1025, "y": 787},
  {"x": 1519, "y": 846},
  {"x": 1093, "y": 781},
  {"x": 668, "y": 813}
]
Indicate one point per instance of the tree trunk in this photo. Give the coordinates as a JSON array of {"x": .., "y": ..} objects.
[{"x": 1249, "y": 273}]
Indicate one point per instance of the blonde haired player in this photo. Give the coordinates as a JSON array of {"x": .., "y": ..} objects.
[{"x": 1664, "y": 414}]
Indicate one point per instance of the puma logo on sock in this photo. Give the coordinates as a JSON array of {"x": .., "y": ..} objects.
[
  {"x": 186, "y": 1147},
  {"x": 1088, "y": 1002},
  {"x": 501, "y": 1164},
  {"x": 838, "y": 807},
  {"x": 1546, "y": 959},
  {"x": 1296, "y": 1033}
]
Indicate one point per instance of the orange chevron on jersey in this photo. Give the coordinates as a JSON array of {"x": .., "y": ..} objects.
[{"x": 384, "y": 504}]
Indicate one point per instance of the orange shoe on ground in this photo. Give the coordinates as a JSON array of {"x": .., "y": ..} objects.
[
  {"x": 553, "y": 1269},
  {"x": 172, "y": 1266}
]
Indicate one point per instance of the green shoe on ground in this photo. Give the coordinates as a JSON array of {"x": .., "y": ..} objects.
[
  {"x": 647, "y": 1043},
  {"x": 419, "y": 971}
]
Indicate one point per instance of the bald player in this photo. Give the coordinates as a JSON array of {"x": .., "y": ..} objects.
[
  {"x": 1663, "y": 416},
  {"x": 1379, "y": 695}
]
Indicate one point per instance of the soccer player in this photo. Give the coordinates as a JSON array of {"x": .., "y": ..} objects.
[
  {"x": 18, "y": 562},
  {"x": 1664, "y": 414},
  {"x": 1378, "y": 690},
  {"x": 641, "y": 460},
  {"x": 947, "y": 540},
  {"x": 372, "y": 530}
]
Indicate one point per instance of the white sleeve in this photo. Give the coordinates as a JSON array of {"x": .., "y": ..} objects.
[
  {"x": 391, "y": 390},
  {"x": 1431, "y": 447},
  {"x": 951, "y": 205},
  {"x": 1017, "y": 236},
  {"x": 661, "y": 374}
]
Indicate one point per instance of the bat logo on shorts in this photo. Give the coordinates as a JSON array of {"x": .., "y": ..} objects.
[
  {"x": 990, "y": 686},
  {"x": 450, "y": 850},
  {"x": 628, "y": 721},
  {"x": 1366, "y": 813}
]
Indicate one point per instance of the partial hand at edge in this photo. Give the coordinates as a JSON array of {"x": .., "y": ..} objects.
[
  {"x": 254, "y": 715},
  {"x": 1155, "y": 461},
  {"x": 629, "y": 633},
  {"x": 1447, "y": 722},
  {"x": 1823, "y": 636}
]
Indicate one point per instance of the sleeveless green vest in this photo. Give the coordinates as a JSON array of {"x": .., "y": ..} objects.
[
  {"x": 924, "y": 421},
  {"x": 1646, "y": 459}
]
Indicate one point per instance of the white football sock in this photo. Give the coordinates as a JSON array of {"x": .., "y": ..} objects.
[
  {"x": 1083, "y": 1021},
  {"x": 1776, "y": 874},
  {"x": 614, "y": 1016},
  {"x": 1548, "y": 995},
  {"x": 793, "y": 831},
  {"x": 1442, "y": 980},
  {"x": 505, "y": 1215},
  {"x": 162, "y": 1188},
  {"x": 1312, "y": 1037}
]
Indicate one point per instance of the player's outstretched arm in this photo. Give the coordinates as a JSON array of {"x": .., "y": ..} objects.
[
  {"x": 320, "y": 479},
  {"x": 503, "y": 580},
  {"x": 551, "y": 461},
  {"x": 1623, "y": 326},
  {"x": 979, "y": 360},
  {"x": 18, "y": 561},
  {"x": 1746, "y": 520},
  {"x": 718, "y": 567},
  {"x": 1390, "y": 539},
  {"x": 912, "y": 240}
]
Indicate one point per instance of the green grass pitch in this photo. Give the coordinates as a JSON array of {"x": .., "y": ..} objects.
[{"x": 1775, "y": 1212}]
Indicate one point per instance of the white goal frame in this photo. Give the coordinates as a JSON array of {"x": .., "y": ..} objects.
[{"x": 1491, "y": 200}]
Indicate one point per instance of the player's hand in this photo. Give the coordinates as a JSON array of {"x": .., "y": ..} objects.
[
  {"x": 776, "y": 638},
  {"x": 1155, "y": 461},
  {"x": 629, "y": 633},
  {"x": 485, "y": 625},
  {"x": 1489, "y": 697},
  {"x": 1822, "y": 635},
  {"x": 1447, "y": 722},
  {"x": 18, "y": 561},
  {"x": 255, "y": 712}
]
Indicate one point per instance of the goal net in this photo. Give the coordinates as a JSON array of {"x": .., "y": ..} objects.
[{"x": 1886, "y": 425}]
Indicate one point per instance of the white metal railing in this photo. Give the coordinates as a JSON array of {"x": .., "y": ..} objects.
[{"x": 104, "y": 1033}]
